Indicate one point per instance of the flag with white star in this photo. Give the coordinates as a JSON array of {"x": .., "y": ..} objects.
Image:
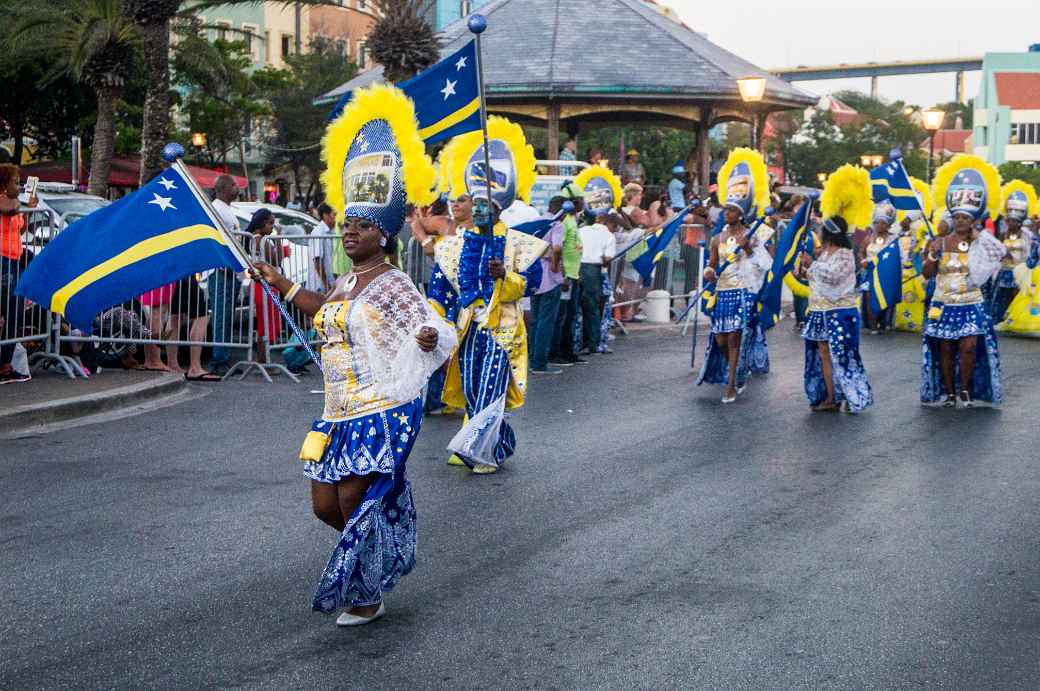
[
  {"x": 891, "y": 183},
  {"x": 160, "y": 234},
  {"x": 446, "y": 96}
]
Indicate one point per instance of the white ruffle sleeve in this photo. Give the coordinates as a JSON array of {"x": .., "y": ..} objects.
[
  {"x": 394, "y": 315},
  {"x": 984, "y": 258},
  {"x": 834, "y": 276},
  {"x": 753, "y": 269}
]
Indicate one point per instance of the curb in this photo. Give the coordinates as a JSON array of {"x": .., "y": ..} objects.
[{"x": 21, "y": 419}]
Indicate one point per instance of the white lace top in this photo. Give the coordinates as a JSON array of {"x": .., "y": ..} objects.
[
  {"x": 832, "y": 281},
  {"x": 743, "y": 271}
]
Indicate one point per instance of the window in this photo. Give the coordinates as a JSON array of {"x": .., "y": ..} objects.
[
  {"x": 248, "y": 37},
  {"x": 362, "y": 59},
  {"x": 286, "y": 45},
  {"x": 1013, "y": 135},
  {"x": 464, "y": 7},
  {"x": 267, "y": 42},
  {"x": 222, "y": 30},
  {"x": 1024, "y": 133}
]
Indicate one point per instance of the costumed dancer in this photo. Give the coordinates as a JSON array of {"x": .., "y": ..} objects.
[
  {"x": 913, "y": 241},
  {"x": 1023, "y": 316},
  {"x": 960, "y": 359},
  {"x": 382, "y": 342},
  {"x": 877, "y": 238},
  {"x": 481, "y": 280},
  {"x": 1019, "y": 198},
  {"x": 834, "y": 372},
  {"x": 738, "y": 264}
]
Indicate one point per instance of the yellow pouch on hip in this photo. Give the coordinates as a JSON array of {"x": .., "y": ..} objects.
[
  {"x": 935, "y": 313},
  {"x": 317, "y": 441}
]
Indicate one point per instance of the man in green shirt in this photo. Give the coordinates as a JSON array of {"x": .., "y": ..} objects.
[{"x": 563, "y": 349}]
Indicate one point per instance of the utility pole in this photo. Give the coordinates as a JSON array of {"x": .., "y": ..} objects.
[{"x": 299, "y": 27}]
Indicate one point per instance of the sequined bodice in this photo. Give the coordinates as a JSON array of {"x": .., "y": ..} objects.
[
  {"x": 350, "y": 389},
  {"x": 953, "y": 285},
  {"x": 731, "y": 277},
  {"x": 1017, "y": 251}
]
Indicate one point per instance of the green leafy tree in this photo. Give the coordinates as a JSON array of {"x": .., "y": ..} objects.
[
  {"x": 401, "y": 40},
  {"x": 1016, "y": 170},
  {"x": 660, "y": 148}
]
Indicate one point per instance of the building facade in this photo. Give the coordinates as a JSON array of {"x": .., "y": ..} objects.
[
  {"x": 240, "y": 23},
  {"x": 347, "y": 25},
  {"x": 447, "y": 11},
  {"x": 1007, "y": 109}
]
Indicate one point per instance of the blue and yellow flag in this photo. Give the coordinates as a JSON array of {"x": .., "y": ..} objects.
[
  {"x": 886, "y": 278},
  {"x": 891, "y": 183},
  {"x": 446, "y": 96},
  {"x": 788, "y": 249},
  {"x": 157, "y": 235},
  {"x": 656, "y": 246}
]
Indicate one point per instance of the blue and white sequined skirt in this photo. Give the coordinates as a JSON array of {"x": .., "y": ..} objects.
[
  {"x": 730, "y": 312},
  {"x": 957, "y": 322},
  {"x": 815, "y": 327}
]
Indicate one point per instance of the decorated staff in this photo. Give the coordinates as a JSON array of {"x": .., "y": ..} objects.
[
  {"x": 479, "y": 279},
  {"x": 961, "y": 361},
  {"x": 382, "y": 342},
  {"x": 834, "y": 374},
  {"x": 737, "y": 266}
]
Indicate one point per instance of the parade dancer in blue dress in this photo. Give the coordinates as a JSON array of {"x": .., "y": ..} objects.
[
  {"x": 382, "y": 342},
  {"x": 738, "y": 265},
  {"x": 834, "y": 372},
  {"x": 960, "y": 359},
  {"x": 1019, "y": 198}
]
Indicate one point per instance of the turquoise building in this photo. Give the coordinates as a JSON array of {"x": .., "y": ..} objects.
[
  {"x": 1007, "y": 109},
  {"x": 447, "y": 11},
  {"x": 249, "y": 24}
]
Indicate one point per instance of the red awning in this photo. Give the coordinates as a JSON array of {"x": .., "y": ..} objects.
[{"x": 124, "y": 172}]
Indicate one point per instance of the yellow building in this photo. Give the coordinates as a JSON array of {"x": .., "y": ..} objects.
[{"x": 281, "y": 24}]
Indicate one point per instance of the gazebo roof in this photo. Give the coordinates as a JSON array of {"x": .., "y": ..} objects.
[{"x": 603, "y": 52}]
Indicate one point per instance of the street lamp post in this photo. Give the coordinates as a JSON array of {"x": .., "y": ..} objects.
[
  {"x": 198, "y": 142},
  {"x": 752, "y": 90},
  {"x": 933, "y": 122}
]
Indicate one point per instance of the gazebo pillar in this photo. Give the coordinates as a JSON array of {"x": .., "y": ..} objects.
[
  {"x": 552, "y": 122},
  {"x": 702, "y": 152}
]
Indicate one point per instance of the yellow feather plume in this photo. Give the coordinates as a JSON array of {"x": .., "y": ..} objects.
[
  {"x": 605, "y": 173},
  {"x": 847, "y": 193},
  {"x": 1025, "y": 188},
  {"x": 457, "y": 153},
  {"x": 759, "y": 175},
  {"x": 378, "y": 102},
  {"x": 990, "y": 175}
]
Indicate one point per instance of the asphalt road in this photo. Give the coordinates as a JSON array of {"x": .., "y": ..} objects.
[{"x": 644, "y": 537}]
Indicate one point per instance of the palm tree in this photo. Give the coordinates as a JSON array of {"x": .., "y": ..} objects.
[
  {"x": 94, "y": 43},
  {"x": 402, "y": 41}
]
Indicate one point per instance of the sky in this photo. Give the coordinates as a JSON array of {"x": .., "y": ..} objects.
[{"x": 787, "y": 33}]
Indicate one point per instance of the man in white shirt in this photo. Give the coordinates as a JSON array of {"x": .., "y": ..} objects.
[
  {"x": 223, "y": 285},
  {"x": 597, "y": 249},
  {"x": 321, "y": 276}
]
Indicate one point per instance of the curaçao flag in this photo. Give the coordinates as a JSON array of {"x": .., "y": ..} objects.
[
  {"x": 891, "y": 183},
  {"x": 788, "y": 249},
  {"x": 886, "y": 278},
  {"x": 656, "y": 246},
  {"x": 157, "y": 235}
]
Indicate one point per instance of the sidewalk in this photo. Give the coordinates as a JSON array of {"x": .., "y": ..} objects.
[{"x": 51, "y": 398}]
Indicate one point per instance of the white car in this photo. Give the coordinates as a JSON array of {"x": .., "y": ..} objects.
[
  {"x": 60, "y": 205},
  {"x": 291, "y": 226}
]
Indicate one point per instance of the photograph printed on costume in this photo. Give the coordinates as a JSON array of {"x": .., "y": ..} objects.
[{"x": 369, "y": 179}]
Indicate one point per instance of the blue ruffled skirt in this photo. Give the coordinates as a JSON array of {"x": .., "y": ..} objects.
[
  {"x": 378, "y": 544},
  {"x": 731, "y": 311},
  {"x": 735, "y": 311},
  {"x": 957, "y": 322},
  {"x": 840, "y": 330}
]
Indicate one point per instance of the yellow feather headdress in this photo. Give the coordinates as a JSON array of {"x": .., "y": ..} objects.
[
  {"x": 585, "y": 176},
  {"x": 847, "y": 193},
  {"x": 759, "y": 175},
  {"x": 1025, "y": 188},
  {"x": 378, "y": 102},
  {"x": 990, "y": 175},
  {"x": 457, "y": 154}
]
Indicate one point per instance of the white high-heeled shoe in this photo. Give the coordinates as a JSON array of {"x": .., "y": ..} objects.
[{"x": 348, "y": 619}]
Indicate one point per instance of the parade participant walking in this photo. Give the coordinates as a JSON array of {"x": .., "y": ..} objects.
[
  {"x": 913, "y": 241},
  {"x": 738, "y": 263},
  {"x": 876, "y": 239},
  {"x": 382, "y": 342},
  {"x": 481, "y": 278},
  {"x": 961, "y": 361},
  {"x": 834, "y": 373},
  {"x": 1019, "y": 198}
]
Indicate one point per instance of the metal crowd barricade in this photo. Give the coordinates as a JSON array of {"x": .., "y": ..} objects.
[
  {"x": 415, "y": 263},
  {"x": 678, "y": 273},
  {"x": 25, "y": 323}
]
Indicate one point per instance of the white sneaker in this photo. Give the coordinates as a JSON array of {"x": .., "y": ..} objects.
[{"x": 348, "y": 619}]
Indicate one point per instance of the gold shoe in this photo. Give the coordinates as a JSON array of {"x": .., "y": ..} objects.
[
  {"x": 484, "y": 469},
  {"x": 455, "y": 460}
]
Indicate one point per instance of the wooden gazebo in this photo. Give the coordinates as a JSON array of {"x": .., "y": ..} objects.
[{"x": 579, "y": 64}]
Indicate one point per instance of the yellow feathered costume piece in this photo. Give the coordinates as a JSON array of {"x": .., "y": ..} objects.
[
  {"x": 847, "y": 193},
  {"x": 990, "y": 175},
  {"x": 379, "y": 102},
  {"x": 459, "y": 151},
  {"x": 1023, "y": 187},
  {"x": 759, "y": 175},
  {"x": 600, "y": 172}
]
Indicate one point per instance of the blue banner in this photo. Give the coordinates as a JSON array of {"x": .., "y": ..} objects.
[
  {"x": 656, "y": 246},
  {"x": 788, "y": 248},
  {"x": 885, "y": 278}
]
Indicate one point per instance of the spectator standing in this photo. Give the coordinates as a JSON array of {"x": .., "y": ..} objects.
[
  {"x": 569, "y": 153},
  {"x": 598, "y": 248},
  {"x": 11, "y": 306},
  {"x": 677, "y": 188},
  {"x": 268, "y": 318},
  {"x": 189, "y": 302},
  {"x": 545, "y": 305},
  {"x": 564, "y": 351},
  {"x": 632, "y": 170},
  {"x": 596, "y": 157},
  {"x": 322, "y": 276},
  {"x": 223, "y": 285}
]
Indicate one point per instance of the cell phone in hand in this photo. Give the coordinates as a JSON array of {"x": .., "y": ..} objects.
[{"x": 30, "y": 185}]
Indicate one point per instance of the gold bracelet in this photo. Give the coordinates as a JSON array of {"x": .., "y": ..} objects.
[{"x": 292, "y": 292}]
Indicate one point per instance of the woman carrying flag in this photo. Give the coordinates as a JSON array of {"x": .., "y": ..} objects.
[
  {"x": 738, "y": 264},
  {"x": 834, "y": 374},
  {"x": 960, "y": 359},
  {"x": 382, "y": 342},
  {"x": 913, "y": 239},
  {"x": 879, "y": 237}
]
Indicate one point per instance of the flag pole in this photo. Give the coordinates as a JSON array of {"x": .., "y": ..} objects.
[
  {"x": 896, "y": 155},
  {"x": 478, "y": 25},
  {"x": 174, "y": 153}
]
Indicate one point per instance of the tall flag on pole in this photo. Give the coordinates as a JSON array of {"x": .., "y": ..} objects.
[
  {"x": 446, "y": 96},
  {"x": 886, "y": 278},
  {"x": 891, "y": 183},
  {"x": 157, "y": 235},
  {"x": 656, "y": 246},
  {"x": 791, "y": 244}
]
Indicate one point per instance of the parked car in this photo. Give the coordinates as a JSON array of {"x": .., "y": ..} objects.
[
  {"x": 60, "y": 205},
  {"x": 293, "y": 227}
]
